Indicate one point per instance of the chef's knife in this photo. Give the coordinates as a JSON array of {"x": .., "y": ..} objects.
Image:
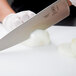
[{"x": 44, "y": 19}]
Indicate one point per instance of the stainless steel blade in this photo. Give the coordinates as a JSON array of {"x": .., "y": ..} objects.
[{"x": 44, "y": 19}]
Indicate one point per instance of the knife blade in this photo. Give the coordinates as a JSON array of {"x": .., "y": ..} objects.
[{"x": 44, "y": 19}]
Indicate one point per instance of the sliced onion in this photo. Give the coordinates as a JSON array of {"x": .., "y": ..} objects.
[
  {"x": 38, "y": 38},
  {"x": 68, "y": 49}
]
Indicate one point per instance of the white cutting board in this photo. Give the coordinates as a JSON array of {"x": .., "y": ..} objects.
[{"x": 41, "y": 61}]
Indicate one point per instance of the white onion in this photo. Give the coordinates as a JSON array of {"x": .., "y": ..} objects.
[
  {"x": 73, "y": 46},
  {"x": 12, "y": 21},
  {"x": 3, "y": 32},
  {"x": 38, "y": 38},
  {"x": 73, "y": 2},
  {"x": 68, "y": 49},
  {"x": 65, "y": 49}
]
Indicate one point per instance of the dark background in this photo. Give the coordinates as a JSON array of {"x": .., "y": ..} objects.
[{"x": 69, "y": 21}]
